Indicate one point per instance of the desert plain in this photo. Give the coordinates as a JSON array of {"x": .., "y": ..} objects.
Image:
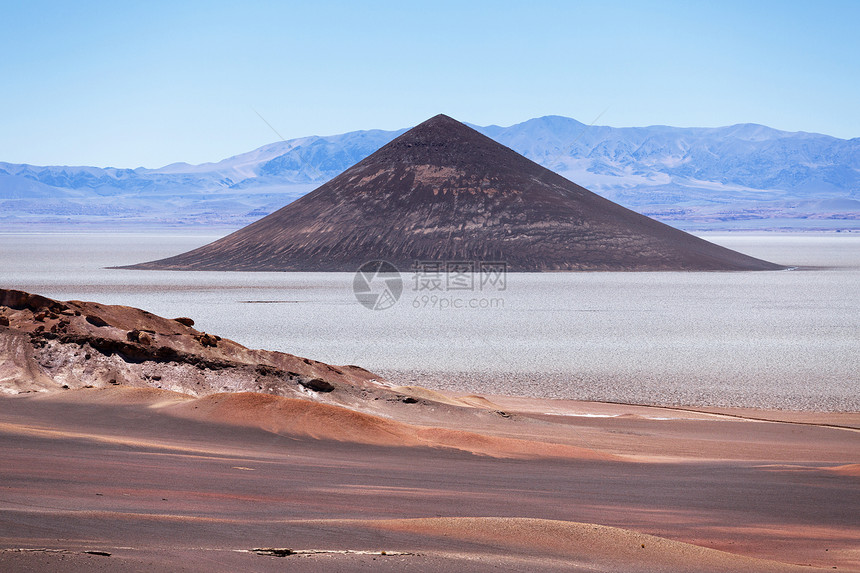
[{"x": 400, "y": 472}]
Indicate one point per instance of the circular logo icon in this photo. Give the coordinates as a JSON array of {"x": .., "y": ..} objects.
[{"x": 377, "y": 285}]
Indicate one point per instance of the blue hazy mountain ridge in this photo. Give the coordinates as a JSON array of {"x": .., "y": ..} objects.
[{"x": 742, "y": 174}]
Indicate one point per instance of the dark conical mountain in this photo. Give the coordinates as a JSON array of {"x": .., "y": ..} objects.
[{"x": 444, "y": 192}]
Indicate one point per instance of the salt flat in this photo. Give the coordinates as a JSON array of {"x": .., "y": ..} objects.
[{"x": 787, "y": 339}]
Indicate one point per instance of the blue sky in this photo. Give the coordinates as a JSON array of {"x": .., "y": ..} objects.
[{"x": 130, "y": 84}]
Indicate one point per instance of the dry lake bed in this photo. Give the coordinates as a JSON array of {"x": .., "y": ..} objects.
[{"x": 785, "y": 339}]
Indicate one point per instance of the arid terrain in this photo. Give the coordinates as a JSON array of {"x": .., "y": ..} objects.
[
  {"x": 254, "y": 460},
  {"x": 430, "y": 287}
]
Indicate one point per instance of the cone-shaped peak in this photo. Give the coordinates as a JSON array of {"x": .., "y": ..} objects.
[
  {"x": 442, "y": 192},
  {"x": 440, "y": 125},
  {"x": 455, "y": 158},
  {"x": 438, "y": 140},
  {"x": 439, "y": 120}
]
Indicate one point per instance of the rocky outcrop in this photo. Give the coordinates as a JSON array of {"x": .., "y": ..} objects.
[
  {"x": 317, "y": 385},
  {"x": 50, "y": 345}
]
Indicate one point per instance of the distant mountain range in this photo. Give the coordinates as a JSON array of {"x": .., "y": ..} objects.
[{"x": 744, "y": 176}]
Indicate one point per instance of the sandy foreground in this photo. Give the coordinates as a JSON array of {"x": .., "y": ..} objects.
[
  {"x": 166, "y": 482},
  {"x": 132, "y": 442}
]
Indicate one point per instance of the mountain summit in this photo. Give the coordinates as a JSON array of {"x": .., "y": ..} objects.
[{"x": 443, "y": 192}]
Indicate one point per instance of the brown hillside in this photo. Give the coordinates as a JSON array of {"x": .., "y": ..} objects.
[{"x": 443, "y": 192}]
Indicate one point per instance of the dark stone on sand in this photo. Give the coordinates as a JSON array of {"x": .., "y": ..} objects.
[
  {"x": 273, "y": 551},
  {"x": 317, "y": 385},
  {"x": 96, "y": 320},
  {"x": 185, "y": 320},
  {"x": 4, "y": 320}
]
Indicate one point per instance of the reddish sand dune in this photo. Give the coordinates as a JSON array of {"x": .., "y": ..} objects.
[
  {"x": 594, "y": 547},
  {"x": 506, "y": 447},
  {"x": 323, "y": 421},
  {"x": 847, "y": 470},
  {"x": 161, "y": 486},
  {"x": 296, "y": 417}
]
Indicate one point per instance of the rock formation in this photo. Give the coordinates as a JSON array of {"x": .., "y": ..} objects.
[{"x": 442, "y": 192}]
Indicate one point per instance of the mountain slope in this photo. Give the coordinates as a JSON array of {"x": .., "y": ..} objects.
[
  {"x": 738, "y": 172},
  {"x": 443, "y": 192}
]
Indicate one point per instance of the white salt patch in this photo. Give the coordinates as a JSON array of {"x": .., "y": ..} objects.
[{"x": 770, "y": 339}]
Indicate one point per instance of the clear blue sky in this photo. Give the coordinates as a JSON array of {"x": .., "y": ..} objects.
[{"x": 127, "y": 84}]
